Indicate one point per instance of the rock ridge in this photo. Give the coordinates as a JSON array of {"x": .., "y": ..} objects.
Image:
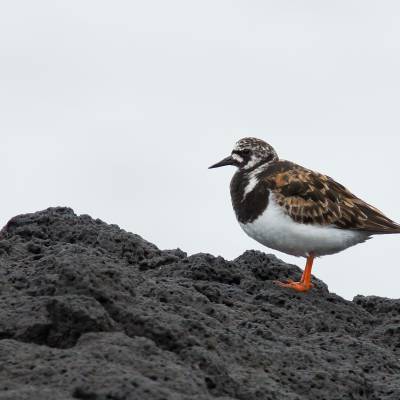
[{"x": 90, "y": 311}]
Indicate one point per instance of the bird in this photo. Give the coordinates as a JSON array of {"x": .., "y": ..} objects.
[{"x": 296, "y": 210}]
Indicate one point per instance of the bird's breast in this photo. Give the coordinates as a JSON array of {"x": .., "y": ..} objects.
[{"x": 249, "y": 197}]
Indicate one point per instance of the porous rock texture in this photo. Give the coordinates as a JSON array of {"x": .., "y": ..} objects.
[{"x": 89, "y": 311}]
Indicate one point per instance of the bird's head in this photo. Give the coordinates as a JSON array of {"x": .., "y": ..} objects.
[{"x": 249, "y": 153}]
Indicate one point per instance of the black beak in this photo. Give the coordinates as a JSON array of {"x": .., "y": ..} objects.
[{"x": 226, "y": 161}]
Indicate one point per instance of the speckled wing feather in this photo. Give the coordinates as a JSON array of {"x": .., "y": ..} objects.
[{"x": 312, "y": 198}]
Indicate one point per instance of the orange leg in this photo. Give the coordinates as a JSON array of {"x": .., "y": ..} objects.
[{"x": 305, "y": 282}]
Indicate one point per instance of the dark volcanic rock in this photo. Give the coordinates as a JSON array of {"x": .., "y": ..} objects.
[{"x": 88, "y": 311}]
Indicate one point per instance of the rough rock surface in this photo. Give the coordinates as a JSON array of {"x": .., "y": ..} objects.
[{"x": 89, "y": 311}]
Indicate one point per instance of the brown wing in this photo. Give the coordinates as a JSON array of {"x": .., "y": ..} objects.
[{"x": 310, "y": 197}]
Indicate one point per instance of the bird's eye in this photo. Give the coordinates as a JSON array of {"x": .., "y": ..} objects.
[{"x": 245, "y": 151}]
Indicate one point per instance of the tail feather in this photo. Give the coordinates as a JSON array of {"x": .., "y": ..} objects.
[{"x": 377, "y": 222}]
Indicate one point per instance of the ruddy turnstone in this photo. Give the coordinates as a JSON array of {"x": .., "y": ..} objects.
[{"x": 295, "y": 210}]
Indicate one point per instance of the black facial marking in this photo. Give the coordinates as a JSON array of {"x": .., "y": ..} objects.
[{"x": 245, "y": 155}]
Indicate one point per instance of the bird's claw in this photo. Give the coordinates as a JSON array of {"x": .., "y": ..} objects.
[{"x": 298, "y": 286}]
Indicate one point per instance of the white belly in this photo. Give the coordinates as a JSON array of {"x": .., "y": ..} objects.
[{"x": 277, "y": 230}]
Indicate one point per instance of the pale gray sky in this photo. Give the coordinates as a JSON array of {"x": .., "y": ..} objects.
[{"x": 117, "y": 108}]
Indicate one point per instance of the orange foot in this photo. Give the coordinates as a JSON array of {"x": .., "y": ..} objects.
[
  {"x": 298, "y": 286},
  {"x": 305, "y": 282}
]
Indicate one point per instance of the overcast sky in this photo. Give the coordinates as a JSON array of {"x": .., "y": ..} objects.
[{"x": 117, "y": 108}]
